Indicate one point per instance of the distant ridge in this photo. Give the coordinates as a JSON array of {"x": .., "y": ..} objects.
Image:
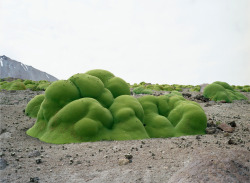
[{"x": 15, "y": 69}]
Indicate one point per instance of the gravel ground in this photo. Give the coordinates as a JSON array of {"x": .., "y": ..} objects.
[{"x": 219, "y": 156}]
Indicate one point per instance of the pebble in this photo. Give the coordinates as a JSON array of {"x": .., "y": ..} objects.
[
  {"x": 210, "y": 130},
  {"x": 225, "y": 127},
  {"x": 3, "y": 164},
  {"x": 38, "y": 161},
  {"x": 34, "y": 179},
  {"x": 232, "y": 142},
  {"x": 128, "y": 156},
  {"x": 232, "y": 124},
  {"x": 34, "y": 154},
  {"x": 123, "y": 162}
]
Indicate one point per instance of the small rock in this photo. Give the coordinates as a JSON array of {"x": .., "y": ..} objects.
[
  {"x": 210, "y": 130},
  {"x": 225, "y": 127},
  {"x": 232, "y": 142},
  {"x": 198, "y": 137},
  {"x": 232, "y": 124},
  {"x": 38, "y": 161},
  {"x": 2, "y": 154},
  {"x": 34, "y": 179},
  {"x": 128, "y": 156},
  {"x": 34, "y": 154},
  {"x": 13, "y": 154},
  {"x": 71, "y": 161},
  {"x": 201, "y": 97},
  {"x": 3, "y": 163},
  {"x": 186, "y": 95},
  {"x": 123, "y": 161},
  {"x": 207, "y": 105}
]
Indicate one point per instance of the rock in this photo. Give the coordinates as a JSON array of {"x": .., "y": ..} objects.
[
  {"x": 128, "y": 156},
  {"x": 13, "y": 154},
  {"x": 5, "y": 135},
  {"x": 38, "y": 161},
  {"x": 201, "y": 97},
  {"x": 232, "y": 142},
  {"x": 210, "y": 130},
  {"x": 123, "y": 162},
  {"x": 232, "y": 124},
  {"x": 34, "y": 179},
  {"x": 207, "y": 105},
  {"x": 198, "y": 137},
  {"x": 34, "y": 154},
  {"x": 225, "y": 127},
  {"x": 188, "y": 95},
  {"x": 3, "y": 164}
]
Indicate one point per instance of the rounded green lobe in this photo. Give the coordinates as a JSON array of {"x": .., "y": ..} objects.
[{"x": 34, "y": 106}]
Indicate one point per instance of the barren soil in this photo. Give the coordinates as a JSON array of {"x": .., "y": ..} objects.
[{"x": 216, "y": 157}]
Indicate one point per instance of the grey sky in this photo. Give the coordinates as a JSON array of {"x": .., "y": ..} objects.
[{"x": 157, "y": 41}]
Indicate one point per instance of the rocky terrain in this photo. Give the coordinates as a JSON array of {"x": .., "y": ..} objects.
[
  {"x": 15, "y": 69},
  {"x": 222, "y": 155}
]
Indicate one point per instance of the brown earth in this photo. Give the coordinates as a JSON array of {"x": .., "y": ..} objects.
[{"x": 216, "y": 157}]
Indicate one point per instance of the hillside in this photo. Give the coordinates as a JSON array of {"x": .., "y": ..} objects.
[{"x": 15, "y": 69}]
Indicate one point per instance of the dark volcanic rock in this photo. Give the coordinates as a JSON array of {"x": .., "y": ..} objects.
[
  {"x": 14, "y": 69},
  {"x": 3, "y": 163}
]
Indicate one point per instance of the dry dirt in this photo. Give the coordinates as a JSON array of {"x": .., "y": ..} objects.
[{"x": 217, "y": 157}]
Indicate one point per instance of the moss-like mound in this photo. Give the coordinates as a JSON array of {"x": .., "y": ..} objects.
[
  {"x": 96, "y": 106},
  {"x": 222, "y": 91},
  {"x": 142, "y": 90},
  {"x": 172, "y": 116},
  {"x": 19, "y": 84}
]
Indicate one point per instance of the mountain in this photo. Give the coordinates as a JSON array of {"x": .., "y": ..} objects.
[{"x": 15, "y": 69}]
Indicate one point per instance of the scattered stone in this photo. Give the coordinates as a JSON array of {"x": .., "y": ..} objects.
[
  {"x": 2, "y": 154},
  {"x": 211, "y": 130},
  {"x": 13, "y": 154},
  {"x": 201, "y": 97},
  {"x": 225, "y": 127},
  {"x": 226, "y": 134},
  {"x": 34, "y": 179},
  {"x": 34, "y": 154},
  {"x": 188, "y": 95},
  {"x": 38, "y": 160},
  {"x": 232, "y": 142},
  {"x": 128, "y": 156},
  {"x": 78, "y": 162},
  {"x": 198, "y": 137},
  {"x": 232, "y": 124},
  {"x": 3, "y": 163},
  {"x": 123, "y": 162},
  {"x": 207, "y": 105}
]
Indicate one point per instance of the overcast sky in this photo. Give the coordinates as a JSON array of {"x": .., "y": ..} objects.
[{"x": 157, "y": 41}]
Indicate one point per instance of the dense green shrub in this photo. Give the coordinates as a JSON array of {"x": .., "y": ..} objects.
[
  {"x": 97, "y": 106},
  {"x": 222, "y": 91}
]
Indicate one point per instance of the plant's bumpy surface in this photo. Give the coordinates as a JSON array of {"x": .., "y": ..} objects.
[
  {"x": 97, "y": 106},
  {"x": 222, "y": 91}
]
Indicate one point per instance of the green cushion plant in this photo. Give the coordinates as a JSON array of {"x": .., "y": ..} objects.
[
  {"x": 97, "y": 106},
  {"x": 222, "y": 91}
]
